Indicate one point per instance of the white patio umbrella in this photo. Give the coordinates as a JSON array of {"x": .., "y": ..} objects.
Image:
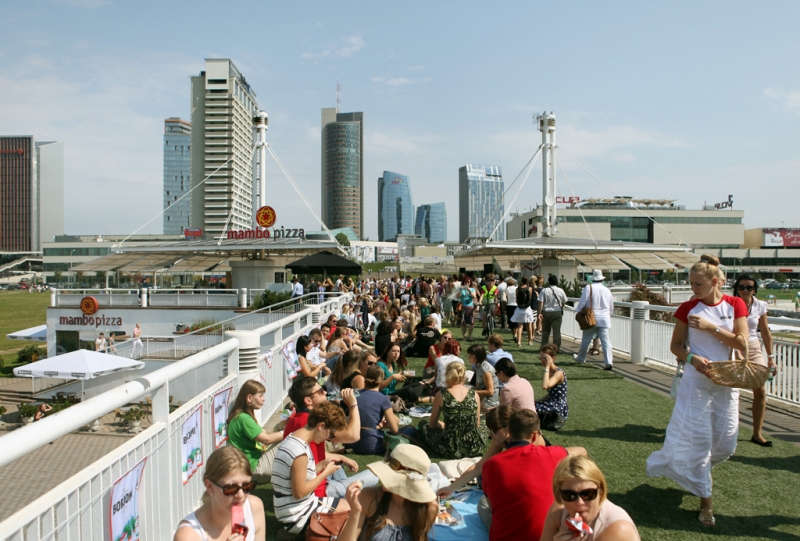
[
  {"x": 38, "y": 334},
  {"x": 82, "y": 364}
]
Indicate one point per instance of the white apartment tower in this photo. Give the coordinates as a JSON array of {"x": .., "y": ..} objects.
[{"x": 223, "y": 106}]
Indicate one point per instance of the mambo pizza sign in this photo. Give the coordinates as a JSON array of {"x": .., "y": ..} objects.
[{"x": 265, "y": 217}]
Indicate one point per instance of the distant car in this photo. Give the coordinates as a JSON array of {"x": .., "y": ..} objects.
[
  {"x": 14, "y": 287},
  {"x": 777, "y": 285}
]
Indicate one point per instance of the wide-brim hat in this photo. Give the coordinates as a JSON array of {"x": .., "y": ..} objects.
[
  {"x": 406, "y": 473},
  {"x": 597, "y": 276}
]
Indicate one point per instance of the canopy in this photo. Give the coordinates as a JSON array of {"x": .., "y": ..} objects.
[
  {"x": 82, "y": 364},
  {"x": 38, "y": 333},
  {"x": 324, "y": 263}
]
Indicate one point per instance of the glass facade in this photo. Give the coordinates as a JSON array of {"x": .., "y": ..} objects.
[
  {"x": 342, "y": 172},
  {"x": 623, "y": 228},
  {"x": 431, "y": 223},
  {"x": 480, "y": 202},
  {"x": 395, "y": 207},
  {"x": 177, "y": 175}
]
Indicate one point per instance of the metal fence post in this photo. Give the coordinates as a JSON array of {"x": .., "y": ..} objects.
[
  {"x": 243, "y": 298},
  {"x": 144, "y": 297},
  {"x": 639, "y": 314}
]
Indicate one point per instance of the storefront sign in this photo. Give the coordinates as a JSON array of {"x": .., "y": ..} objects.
[
  {"x": 725, "y": 204},
  {"x": 266, "y": 216},
  {"x": 781, "y": 237},
  {"x": 89, "y": 305},
  {"x": 124, "y": 505},
  {"x": 560, "y": 200},
  {"x": 220, "y": 417},
  {"x": 189, "y": 233},
  {"x": 192, "y": 444},
  {"x": 95, "y": 321},
  {"x": 275, "y": 234}
]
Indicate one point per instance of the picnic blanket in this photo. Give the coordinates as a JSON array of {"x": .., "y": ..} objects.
[{"x": 471, "y": 528}]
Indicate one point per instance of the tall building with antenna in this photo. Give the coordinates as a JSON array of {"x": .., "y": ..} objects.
[
  {"x": 343, "y": 168},
  {"x": 223, "y": 107}
]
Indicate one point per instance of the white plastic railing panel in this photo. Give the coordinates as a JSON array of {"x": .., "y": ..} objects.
[
  {"x": 191, "y": 297},
  {"x": 621, "y": 334},
  {"x": 658, "y": 335},
  {"x": 786, "y": 385}
]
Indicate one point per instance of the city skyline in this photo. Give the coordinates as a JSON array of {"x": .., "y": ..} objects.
[
  {"x": 177, "y": 175},
  {"x": 106, "y": 93}
]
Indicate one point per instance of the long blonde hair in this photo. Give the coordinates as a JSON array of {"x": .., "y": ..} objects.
[
  {"x": 223, "y": 462},
  {"x": 580, "y": 467}
]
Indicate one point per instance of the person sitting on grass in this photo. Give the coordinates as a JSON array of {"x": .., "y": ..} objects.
[
  {"x": 246, "y": 434},
  {"x": 496, "y": 352},
  {"x": 450, "y": 354},
  {"x": 487, "y": 386},
  {"x": 345, "y": 365},
  {"x": 581, "y": 493},
  {"x": 517, "y": 483},
  {"x": 553, "y": 410},
  {"x": 356, "y": 378},
  {"x": 375, "y": 410},
  {"x": 434, "y": 352},
  {"x": 516, "y": 392},
  {"x": 304, "y": 346}
]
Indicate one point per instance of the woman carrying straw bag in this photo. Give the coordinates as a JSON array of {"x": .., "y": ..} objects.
[{"x": 705, "y": 421}]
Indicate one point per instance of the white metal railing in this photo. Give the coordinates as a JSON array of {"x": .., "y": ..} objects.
[
  {"x": 194, "y": 297},
  {"x": 105, "y": 297},
  {"x": 78, "y": 509}
]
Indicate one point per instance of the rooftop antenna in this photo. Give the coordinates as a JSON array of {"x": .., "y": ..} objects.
[
  {"x": 547, "y": 125},
  {"x": 338, "y": 96}
]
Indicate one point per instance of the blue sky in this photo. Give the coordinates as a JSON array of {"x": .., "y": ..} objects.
[{"x": 681, "y": 100}]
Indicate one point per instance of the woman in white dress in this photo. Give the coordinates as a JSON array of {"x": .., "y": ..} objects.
[
  {"x": 524, "y": 316},
  {"x": 705, "y": 421},
  {"x": 746, "y": 288}
]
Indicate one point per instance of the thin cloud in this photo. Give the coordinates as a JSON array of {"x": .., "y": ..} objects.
[
  {"x": 346, "y": 48},
  {"x": 415, "y": 68},
  {"x": 399, "y": 81},
  {"x": 89, "y": 4},
  {"x": 784, "y": 100}
]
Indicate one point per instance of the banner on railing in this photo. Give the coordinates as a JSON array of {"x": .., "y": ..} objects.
[
  {"x": 291, "y": 362},
  {"x": 267, "y": 357},
  {"x": 220, "y": 417},
  {"x": 192, "y": 447},
  {"x": 124, "y": 508}
]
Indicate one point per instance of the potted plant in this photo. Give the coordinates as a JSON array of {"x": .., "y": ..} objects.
[
  {"x": 133, "y": 417},
  {"x": 26, "y": 413},
  {"x": 2, "y": 412}
]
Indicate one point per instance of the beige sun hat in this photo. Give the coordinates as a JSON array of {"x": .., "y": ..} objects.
[{"x": 406, "y": 473}]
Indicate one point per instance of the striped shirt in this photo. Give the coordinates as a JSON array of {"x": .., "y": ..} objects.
[{"x": 290, "y": 511}]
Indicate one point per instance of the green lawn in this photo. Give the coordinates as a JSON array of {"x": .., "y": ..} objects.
[
  {"x": 20, "y": 310},
  {"x": 620, "y": 424}
]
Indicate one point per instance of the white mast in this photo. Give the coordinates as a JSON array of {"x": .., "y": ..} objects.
[
  {"x": 547, "y": 125},
  {"x": 260, "y": 173}
]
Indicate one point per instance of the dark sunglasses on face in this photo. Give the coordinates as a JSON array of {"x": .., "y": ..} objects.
[
  {"x": 371, "y": 363},
  {"x": 586, "y": 495},
  {"x": 231, "y": 490},
  {"x": 745, "y": 288}
]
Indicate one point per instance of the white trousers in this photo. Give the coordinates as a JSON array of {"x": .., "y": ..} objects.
[{"x": 701, "y": 433}]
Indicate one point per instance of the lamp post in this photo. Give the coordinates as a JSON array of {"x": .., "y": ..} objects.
[{"x": 71, "y": 262}]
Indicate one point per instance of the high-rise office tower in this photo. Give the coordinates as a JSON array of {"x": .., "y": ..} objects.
[
  {"x": 432, "y": 222},
  {"x": 395, "y": 207},
  {"x": 480, "y": 202},
  {"x": 223, "y": 106},
  {"x": 177, "y": 175},
  {"x": 343, "y": 170},
  {"x": 31, "y": 193}
]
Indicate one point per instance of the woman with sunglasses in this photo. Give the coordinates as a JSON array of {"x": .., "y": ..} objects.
[
  {"x": 304, "y": 345},
  {"x": 246, "y": 434},
  {"x": 228, "y": 482},
  {"x": 356, "y": 379},
  {"x": 296, "y": 475},
  {"x": 580, "y": 491},
  {"x": 746, "y": 288}
]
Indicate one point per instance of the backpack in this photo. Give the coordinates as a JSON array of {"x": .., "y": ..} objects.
[
  {"x": 523, "y": 298},
  {"x": 465, "y": 296}
]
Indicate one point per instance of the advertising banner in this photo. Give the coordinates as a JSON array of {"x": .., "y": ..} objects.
[
  {"x": 192, "y": 447},
  {"x": 786, "y": 238},
  {"x": 220, "y": 417},
  {"x": 290, "y": 360},
  {"x": 124, "y": 509}
]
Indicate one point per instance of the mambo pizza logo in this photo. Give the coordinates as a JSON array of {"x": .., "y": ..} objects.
[
  {"x": 88, "y": 321},
  {"x": 265, "y": 217},
  {"x": 89, "y": 305}
]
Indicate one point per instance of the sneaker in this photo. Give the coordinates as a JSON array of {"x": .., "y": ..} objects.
[
  {"x": 608, "y": 367},
  {"x": 575, "y": 356}
]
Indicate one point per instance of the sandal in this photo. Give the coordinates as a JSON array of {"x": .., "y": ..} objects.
[
  {"x": 594, "y": 352},
  {"x": 706, "y": 517}
]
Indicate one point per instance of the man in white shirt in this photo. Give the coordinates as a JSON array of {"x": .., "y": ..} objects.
[
  {"x": 602, "y": 302},
  {"x": 100, "y": 343},
  {"x": 502, "y": 287},
  {"x": 297, "y": 288},
  {"x": 551, "y": 305}
]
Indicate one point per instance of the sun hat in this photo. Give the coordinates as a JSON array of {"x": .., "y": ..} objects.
[
  {"x": 597, "y": 276},
  {"x": 406, "y": 473}
]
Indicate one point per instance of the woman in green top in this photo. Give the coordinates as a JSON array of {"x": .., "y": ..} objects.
[
  {"x": 392, "y": 363},
  {"x": 246, "y": 434}
]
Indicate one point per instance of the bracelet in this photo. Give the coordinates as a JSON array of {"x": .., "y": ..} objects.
[
  {"x": 353, "y": 406},
  {"x": 689, "y": 358},
  {"x": 770, "y": 356}
]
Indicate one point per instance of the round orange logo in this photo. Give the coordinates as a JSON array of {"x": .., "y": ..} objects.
[
  {"x": 89, "y": 305},
  {"x": 265, "y": 217}
]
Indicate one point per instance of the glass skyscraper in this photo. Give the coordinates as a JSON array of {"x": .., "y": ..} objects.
[
  {"x": 432, "y": 222},
  {"x": 343, "y": 170},
  {"x": 395, "y": 207},
  {"x": 177, "y": 175},
  {"x": 480, "y": 202}
]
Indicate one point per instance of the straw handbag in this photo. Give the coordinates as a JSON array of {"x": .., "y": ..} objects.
[{"x": 740, "y": 374}]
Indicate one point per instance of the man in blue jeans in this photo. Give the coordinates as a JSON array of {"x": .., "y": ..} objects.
[{"x": 599, "y": 298}]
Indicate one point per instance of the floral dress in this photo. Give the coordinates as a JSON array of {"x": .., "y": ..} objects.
[
  {"x": 461, "y": 438},
  {"x": 556, "y": 401}
]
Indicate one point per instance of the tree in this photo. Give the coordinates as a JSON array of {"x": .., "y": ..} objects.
[
  {"x": 57, "y": 275},
  {"x": 78, "y": 277},
  {"x": 342, "y": 239},
  {"x": 781, "y": 278}
]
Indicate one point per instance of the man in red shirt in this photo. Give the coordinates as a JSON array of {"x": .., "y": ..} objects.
[
  {"x": 306, "y": 393},
  {"x": 518, "y": 482}
]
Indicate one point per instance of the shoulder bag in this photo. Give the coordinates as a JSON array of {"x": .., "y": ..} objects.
[
  {"x": 585, "y": 317},
  {"x": 324, "y": 526}
]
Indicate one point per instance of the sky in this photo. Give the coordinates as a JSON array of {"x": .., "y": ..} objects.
[{"x": 689, "y": 101}]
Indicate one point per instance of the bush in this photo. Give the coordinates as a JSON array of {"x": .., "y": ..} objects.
[
  {"x": 2, "y": 410},
  {"x": 202, "y": 323},
  {"x": 30, "y": 354},
  {"x": 133, "y": 414},
  {"x": 268, "y": 298},
  {"x": 2, "y": 362},
  {"x": 26, "y": 410}
]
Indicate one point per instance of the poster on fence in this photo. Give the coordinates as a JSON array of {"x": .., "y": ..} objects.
[
  {"x": 268, "y": 358},
  {"x": 192, "y": 447},
  {"x": 124, "y": 508},
  {"x": 220, "y": 417},
  {"x": 291, "y": 362}
]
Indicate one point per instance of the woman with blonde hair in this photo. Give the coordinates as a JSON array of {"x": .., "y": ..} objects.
[
  {"x": 461, "y": 434},
  {"x": 705, "y": 420},
  {"x": 581, "y": 494},
  {"x": 227, "y": 479}
]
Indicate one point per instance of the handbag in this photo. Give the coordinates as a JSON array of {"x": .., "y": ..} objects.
[
  {"x": 585, "y": 317},
  {"x": 676, "y": 381},
  {"x": 739, "y": 374},
  {"x": 326, "y": 526}
]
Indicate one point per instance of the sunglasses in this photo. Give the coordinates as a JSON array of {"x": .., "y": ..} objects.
[
  {"x": 232, "y": 490},
  {"x": 371, "y": 363},
  {"x": 745, "y": 288},
  {"x": 586, "y": 495}
]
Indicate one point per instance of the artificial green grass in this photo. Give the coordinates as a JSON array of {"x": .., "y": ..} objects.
[
  {"x": 620, "y": 424},
  {"x": 20, "y": 310}
]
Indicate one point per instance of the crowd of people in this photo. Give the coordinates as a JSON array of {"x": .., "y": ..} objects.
[{"x": 354, "y": 388}]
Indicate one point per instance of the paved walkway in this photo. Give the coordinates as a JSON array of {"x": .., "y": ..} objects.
[{"x": 782, "y": 421}]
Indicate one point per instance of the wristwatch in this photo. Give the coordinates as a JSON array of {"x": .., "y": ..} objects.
[{"x": 716, "y": 331}]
